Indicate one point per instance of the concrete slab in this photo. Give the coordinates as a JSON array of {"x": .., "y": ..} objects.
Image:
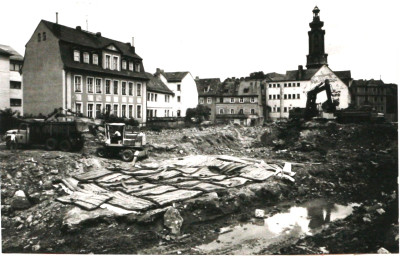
[
  {"x": 155, "y": 191},
  {"x": 129, "y": 202},
  {"x": 174, "y": 196}
]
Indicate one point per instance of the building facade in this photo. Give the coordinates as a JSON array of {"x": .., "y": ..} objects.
[
  {"x": 84, "y": 72},
  {"x": 160, "y": 101},
  {"x": 207, "y": 89},
  {"x": 11, "y": 89},
  {"x": 184, "y": 88},
  {"x": 377, "y": 94}
]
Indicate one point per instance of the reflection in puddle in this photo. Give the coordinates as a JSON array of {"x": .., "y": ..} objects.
[{"x": 306, "y": 219}]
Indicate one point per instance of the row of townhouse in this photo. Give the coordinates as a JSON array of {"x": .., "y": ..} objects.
[{"x": 91, "y": 74}]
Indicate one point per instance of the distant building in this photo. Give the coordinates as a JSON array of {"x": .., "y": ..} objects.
[
  {"x": 83, "y": 71},
  {"x": 287, "y": 91},
  {"x": 11, "y": 89},
  {"x": 207, "y": 88},
  {"x": 160, "y": 99},
  {"x": 184, "y": 88},
  {"x": 382, "y": 97}
]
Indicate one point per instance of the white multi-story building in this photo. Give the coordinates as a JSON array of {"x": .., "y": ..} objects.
[
  {"x": 184, "y": 88},
  {"x": 160, "y": 99},
  {"x": 11, "y": 95}
]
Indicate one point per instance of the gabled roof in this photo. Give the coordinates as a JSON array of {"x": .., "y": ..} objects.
[
  {"x": 88, "y": 39},
  {"x": 5, "y": 53},
  {"x": 207, "y": 86},
  {"x": 174, "y": 76},
  {"x": 275, "y": 76},
  {"x": 156, "y": 85},
  {"x": 14, "y": 55}
]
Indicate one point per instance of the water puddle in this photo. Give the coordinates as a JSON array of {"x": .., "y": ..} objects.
[{"x": 280, "y": 229}]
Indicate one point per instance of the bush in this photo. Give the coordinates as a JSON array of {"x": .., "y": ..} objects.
[{"x": 198, "y": 114}]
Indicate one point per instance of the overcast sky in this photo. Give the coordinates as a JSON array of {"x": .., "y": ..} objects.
[{"x": 227, "y": 38}]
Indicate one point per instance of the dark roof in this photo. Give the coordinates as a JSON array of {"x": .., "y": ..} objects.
[
  {"x": 275, "y": 76},
  {"x": 306, "y": 74},
  {"x": 5, "y": 53},
  {"x": 207, "y": 86},
  {"x": 14, "y": 55},
  {"x": 88, "y": 39},
  {"x": 371, "y": 82},
  {"x": 156, "y": 85},
  {"x": 174, "y": 76},
  {"x": 343, "y": 75}
]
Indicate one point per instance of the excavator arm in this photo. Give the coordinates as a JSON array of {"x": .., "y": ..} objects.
[{"x": 311, "y": 106}]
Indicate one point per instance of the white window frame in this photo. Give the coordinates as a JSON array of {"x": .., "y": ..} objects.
[
  {"x": 232, "y": 100},
  {"x": 76, "y": 110},
  {"x": 101, "y": 85},
  {"x": 139, "y": 114},
  {"x": 77, "y": 56},
  {"x": 105, "y": 107},
  {"x": 178, "y": 87},
  {"x": 133, "y": 111},
  {"x": 105, "y": 86},
  {"x": 115, "y": 114},
  {"x": 95, "y": 108},
  {"x": 115, "y": 65},
  {"x": 113, "y": 90},
  {"x": 155, "y": 97},
  {"x": 178, "y": 99},
  {"x": 131, "y": 92},
  {"x": 139, "y": 92},
  {"x": 107, "y": 65},
  {"x": 166, "y": 98},
  {"x": 122, "y": 91},
  {"x": 252, "y": 99},
  {"x": 201, "y": 100},
  {"x": 80, "y": 91},
  {"x": 122, "y": 112},
  {"x": 87, "y": 109},
  {"x": 241, "y": 100},
  {"x": 130, "y": 65},
  {"x": 252, "y": 111},
  {"x": 221, "y": 111},
  {"x": 124, "y": 64},
  {"x": 137, "y": 67},
  {"x": 95, "y": 59},
  {"x": 86, "y": 57},
  {"x": 232, "y": 111},
  {"x": 87, "y": 84},
  {"x": 209, "y": 100}
]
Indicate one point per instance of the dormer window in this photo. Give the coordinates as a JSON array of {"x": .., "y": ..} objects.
[
  {"x": 137, "y": 67},
  {"x": 95, "y": 59},
  {"x": 77, "y": 55},
  {"x": 108, "y": 61},
  {"x": 115, "y": 63},
  {"x": 131, "y": 66},
  {"x": 124, "y": 64},
  {"x": 86, "y": 57}
]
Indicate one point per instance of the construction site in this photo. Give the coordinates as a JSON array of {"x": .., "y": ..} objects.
[{"x": 288, "y": 187}]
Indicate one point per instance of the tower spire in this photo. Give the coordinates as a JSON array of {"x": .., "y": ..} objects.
[{"x": 316, "y": 42}]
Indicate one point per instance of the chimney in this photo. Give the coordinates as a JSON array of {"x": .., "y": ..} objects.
[
  {"x": 56, "y": 17},
  {"x": 98, "y": 34},
  {"x": 300, "y": 72},
  {"x": 128, "y": 43},
  {"x": 78, "y": 28},
  {"x": 133, "y": 41},
  {"x": 197, "y": 78}
]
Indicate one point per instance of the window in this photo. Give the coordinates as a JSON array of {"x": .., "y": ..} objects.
[
  {"x": 274, "y": 85},
  {"x": 15, "y": 102},
  {"x": 178, "y": 87},
  {"x": 293, "y": 96},
  {"x": 123, "y": 88},
  {"x": 131, "y": 66},
  {"x": 78, "y": 83},
  {"x": 232, "y": 100},
  {"x": 155, "y": 97},
  {"x": 77, "y": 56},
  {"x": 298, "y": 84},
  {"x": 241, "y": 111},
  {"x": 151, "y": 97},
  {"x": 108, "y": 109},
  {"x": 148, "y": 96},
  {"x": 115, "y": 88},
  {"x": 289, "y": 96},
  {"x": 274, "y": 96},
  {"x": 139, "y": 90},
  {"x": 252, "y": 99},
  {"x": 15, "y": 85},
  {"x": 86, "y": 57},
  {"x": 221, "y": 100},
  {"x": 130, "y": 90},
  {"x": 90, "y": 110},
  {"x": 290, "y": 85},
  {"x": 108, "y": 86},
  {"x": 278, "y": 96},
  {"x": 108, "y": 61},
  {"x": 44, "y": 36},
  {"x": 95, "y": 59},
  {"x": 179, "y": 98},
  {"x": 285, "y": 96},
  {"x": 115, "y": 110},
  {"x": 285, "y": 109},
  {"x": 137, "y": 67},
  {"x": 124, "y": 64},
  {"x": 298, "y": 96},
  {"x": 246, "y": 90},
  {"x": 139, "y": 111},
  {"x": 209, "y": 100},
  {"x": 232, "y": 111},
  {"x": 269, "y": 85},
  {"x": 278, "y": 109},
  {"x": 167, "y": 98},
  {"x": 241, "y": 100},
  {"x": 252, "y": 111},
  {"x": 39, "y": 37},
  {"x": 123, "y": 110},
  {"x": 130, "y": 111},
  {"x": 78, "y": 108},
  {"x": 98, "y": 110},
  {"x": 221, "y": 110},
  {"x": 89, "y": 84},
  {"x": 115, "y": 63},
  {"x": 278, "y": 85},
  {"x": 155, "y": 112},
  {"x": 98, "y": 85},
  {"x": 178, "y": 113},
  {"x": 285, "y": 85},
  {"x": 270, "y": 97}
]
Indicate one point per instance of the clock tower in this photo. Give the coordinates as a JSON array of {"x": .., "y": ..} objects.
[{"x": 316, "y": 42}]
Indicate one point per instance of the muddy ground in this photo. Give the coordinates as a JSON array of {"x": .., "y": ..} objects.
[{"x": 352, "y": 163}]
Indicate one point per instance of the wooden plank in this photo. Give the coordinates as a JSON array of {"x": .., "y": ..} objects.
[
  {"x": 162, "y": 175},
  {"x": 113, "y": 178},
  {"x": 71, "y": 183},
  {"x": 174, "y": 196},
  {"x": 256, "y": 173},
  {"x": 129, "y": 202},
  {"x": 94, "y": 174},
  {"x": 176, "y": 180},
  {"x": 137, "y": 187},
  {"x": 154, "y": 191},
  {"x": 202, "y": 172},
  {"x": 188, "y": 170},
  {"x": 144, "y": 172},
  {"x": 207, "y": 187},
  {"x": 188, "y": 184},
  {"x": 88, "y": 201}
]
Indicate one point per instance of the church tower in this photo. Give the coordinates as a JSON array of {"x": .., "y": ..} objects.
[{"x": 316, "y": 43}]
